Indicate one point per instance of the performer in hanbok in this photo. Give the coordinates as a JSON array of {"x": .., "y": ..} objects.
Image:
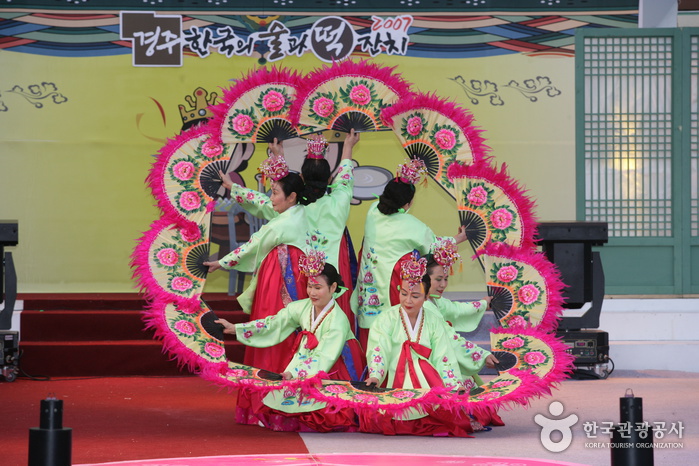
[
  {"x": 390, "y": 235},
  {"x": 272, "y": 254},
  {"x": 327, "y": 212},
  {"x": 325, "y": 345},
  {"x": 411, "y": 346},
  {"x": 463, "y": 316}
]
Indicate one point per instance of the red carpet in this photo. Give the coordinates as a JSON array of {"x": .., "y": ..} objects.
[
  {"x": 132, "y": 418},
  {"x": 69, "y": 335}
]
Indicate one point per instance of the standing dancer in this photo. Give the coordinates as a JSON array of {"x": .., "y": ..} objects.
[
  {"x": 325, "y": 344},
  {"x": 272, "y": 253},
  {"x": 326, "y": 213},
  {"x": 390, "y": 236}
]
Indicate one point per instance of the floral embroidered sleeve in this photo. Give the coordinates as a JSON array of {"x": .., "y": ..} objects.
[
  {"x": 463, "y": 316},
  {"x": 269, "y": 331},
  {"x": 247, "y": 257},
  {"x": 255, "y": 202},
  {"x": 345, "y": 176},
  {"x": 471, "y": 357},
  {"x": 444, "y": 357},
  {"x": 378, "y": 351}
]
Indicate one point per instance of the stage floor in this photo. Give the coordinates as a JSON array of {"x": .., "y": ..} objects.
[
  {"x": 342, "y": 459},
  {"x": 137, "y": 418}
]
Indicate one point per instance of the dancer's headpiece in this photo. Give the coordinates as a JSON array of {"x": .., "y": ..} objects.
[
  {"x": 412, "y": 270},
  {"x": 274, "y": 167},
  {"x": 411, "y": 171},
  {"x": 446, "y": 254},
  {"x": 316, "y": 146},
  {"x": 312, "y": 262}
]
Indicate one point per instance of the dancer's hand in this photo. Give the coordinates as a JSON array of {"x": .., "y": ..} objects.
[
  {"x": 287, "y": 375},
  {"x": 227, "y": 326},
  {"x": 225, "y": 180},
  {"x": 372, "y": 380},
  {"x": 276, "y": 147},
  {"x": 212, "y": 265},
  {"x": 490, "y": 361},
  {"x": 461, "y": 236},
  {"x": 350, "y": 141}
]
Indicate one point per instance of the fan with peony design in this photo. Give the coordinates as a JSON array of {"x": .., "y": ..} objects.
[
  {"x": 436, "y": 131},
  {"x": 512, "y": 387},
  {"x": 492, "y": 206},
  {"x": 256, "y": 108},
  {"x": 347, "y": 95},
  {"x": 188, "y": 332},
  {"x": 168, "y": 262},
  {"x": 185, "y": 178},
  {"x": 532, "y": 350},
  {"x": 525, "y": 286}
]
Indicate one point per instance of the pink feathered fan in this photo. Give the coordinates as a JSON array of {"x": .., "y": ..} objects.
[
  {"x": 436, "y": 131},
  {"x": 345, "y": 96}
]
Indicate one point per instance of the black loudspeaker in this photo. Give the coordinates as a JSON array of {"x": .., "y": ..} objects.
[
  {"x": 574, "y": 262},
  {"x": 569, "y": 246}
]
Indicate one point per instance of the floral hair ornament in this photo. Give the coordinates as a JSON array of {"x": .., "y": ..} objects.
[
  {"x": 446, "y": 254},
  {"x": 274, "y": 167},
  {"x": 312, "y": 262},
  {"x": 412, "y": 172},
  {"x": 316, "y": 146},
  {"x": 412, "y": 270}
]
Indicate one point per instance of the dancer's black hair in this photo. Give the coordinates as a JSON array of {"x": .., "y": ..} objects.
[
  {"x": 316, "y": 173},
  {"x": 395, "y": 195},
  {"x": 292, "y": 183}
]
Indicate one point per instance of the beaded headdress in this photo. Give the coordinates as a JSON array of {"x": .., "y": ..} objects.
[
  {"x": 412, "y": 270},
  {"x": 446, "y": 254},
  {"x": 411, "y": 171},
  {"x": 274, "y": 167},
  {"x": 316, "y": 146},
  {"x": 312, "y": 262}
]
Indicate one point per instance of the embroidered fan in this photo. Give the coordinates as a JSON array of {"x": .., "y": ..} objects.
[
  {"x": 525, "y": 286},
  {"x": 185, "y": 179},
  {"x": 347, "y": 95},
  {"x": 493, "y": 206},
  {"x": 188, "y": 333},
  {"x": 513, "y": 387},
  {"x": 256, "y": 108},
  {"x": 534, "y": 351},
  {"x": 168, "y": 262},
  {"x": 436, "y": 131}
]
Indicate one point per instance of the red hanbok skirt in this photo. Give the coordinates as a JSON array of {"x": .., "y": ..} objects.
[
  {"x": 437, "y": 423},
  {"x": 346, "y": 274},
  {"x": 278, "y": 283}
]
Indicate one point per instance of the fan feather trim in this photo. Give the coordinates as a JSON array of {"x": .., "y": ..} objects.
[
  {"x": 318, "y": 77},
  {"x": 253, "y": 79},
  {"x": 526, "y": 206},
  {"x": 548, "y": 271},
  {"x": 462, "y": 117}
]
